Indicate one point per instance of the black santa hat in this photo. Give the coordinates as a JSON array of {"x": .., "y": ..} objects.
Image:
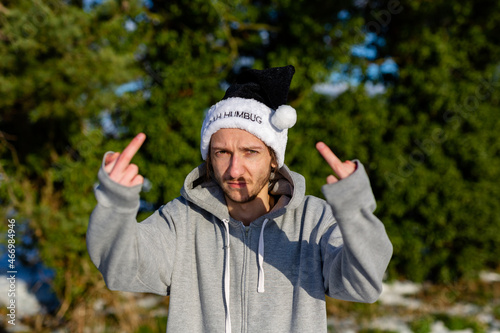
[{"x": 256, "y": 103}]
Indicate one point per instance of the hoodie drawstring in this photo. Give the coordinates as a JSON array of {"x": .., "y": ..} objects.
[
  {"x": 260, "y": 287},
  {"x": 227, "y": 278}
]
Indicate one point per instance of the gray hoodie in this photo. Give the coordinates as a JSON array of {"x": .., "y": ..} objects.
[{"x": 224, "y": 277}]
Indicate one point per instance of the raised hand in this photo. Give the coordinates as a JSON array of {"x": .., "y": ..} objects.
[
  {"x": 118, "y": 165},
  {"x": 341, "y": 169}
]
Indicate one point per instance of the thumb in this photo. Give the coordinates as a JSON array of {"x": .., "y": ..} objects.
[{"x": 110, "y": 161}]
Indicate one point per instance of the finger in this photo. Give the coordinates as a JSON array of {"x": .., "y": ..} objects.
[
  {"x": 128, "y": 174},
  {"x": 128, "y": 153},
  {"x": 333, "y": 161},
  {"x": 350, "y": 163},
  {"x": 350, "y": 166},
  {"x": 137, "y": 180},
  {"x": 328, "y": 155},
  {"x": 331, "y": 179},
  {"x": 110, "y": 161}
]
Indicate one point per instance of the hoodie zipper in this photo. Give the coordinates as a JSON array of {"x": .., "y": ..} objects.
[
  {"x": 248, "y": 260},
  {"x": 244, "y": 285}
]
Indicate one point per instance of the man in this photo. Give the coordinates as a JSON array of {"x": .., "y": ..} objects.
[{"x": 243, "y": 248}]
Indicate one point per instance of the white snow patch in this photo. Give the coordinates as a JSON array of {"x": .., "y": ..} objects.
[
  {"x": 393, "y": 324},
  {"x": 489, "y": 276},
  {"x": 26, "y": 302},
  {"x": 395, "y": 292}
]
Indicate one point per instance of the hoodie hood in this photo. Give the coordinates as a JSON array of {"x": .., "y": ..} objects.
[{"x": 209, "y": 196}]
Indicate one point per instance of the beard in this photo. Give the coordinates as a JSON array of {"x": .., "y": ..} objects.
[{"x": 246, "y": 194}]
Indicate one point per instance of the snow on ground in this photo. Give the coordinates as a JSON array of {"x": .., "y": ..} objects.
[
  {"x": 26, "y": 303},
  {"x": 396, "y": 294},
  {"x": 399, "y": 293},
  {"x": 489, "y": 277}
]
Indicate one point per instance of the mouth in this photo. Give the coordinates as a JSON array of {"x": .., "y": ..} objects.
[{"x": 236, "y": 184}]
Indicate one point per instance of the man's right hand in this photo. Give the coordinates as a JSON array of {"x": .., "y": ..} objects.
[{"x": 118, "y": 165}]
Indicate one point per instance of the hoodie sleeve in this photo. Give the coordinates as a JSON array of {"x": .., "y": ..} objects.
[
  {"x": 131, "y": 256},
  {"x": 353, "y": 268}
]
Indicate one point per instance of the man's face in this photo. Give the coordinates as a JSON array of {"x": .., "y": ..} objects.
[{"x": 241, "y": 163}]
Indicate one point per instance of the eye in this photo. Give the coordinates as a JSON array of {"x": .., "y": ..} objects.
[
  {"x": 220, "y": 153},
  {"x": 251, "y": 152}
]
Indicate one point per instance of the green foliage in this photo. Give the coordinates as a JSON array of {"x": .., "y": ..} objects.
[
  {"x": 375, "y": 330},
  {"x": 438, "y": 187},
  {"x": 422, "y": 325},
  {"x": 429, "y": 142},
  {"x": 455, "y": 323},
  {"x": 496, "y": 312},
  {"x": 159, "y": 326},
  {"x": 59, "y": 70}
]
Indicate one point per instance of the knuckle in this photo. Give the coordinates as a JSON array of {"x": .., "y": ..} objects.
[
  {"x": 133, "y": 168},
  {"x": 137, "y": 180},
  {"x": 114, "y": 177}
]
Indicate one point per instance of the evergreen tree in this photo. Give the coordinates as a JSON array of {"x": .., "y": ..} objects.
[
  {"x": 427, "y": 140},
  {"x": 437, "y": 174},
  {"x": 59, "y": 70}
]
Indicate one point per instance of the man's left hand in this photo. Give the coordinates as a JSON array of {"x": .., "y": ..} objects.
[{"x": 341, "y": 169}]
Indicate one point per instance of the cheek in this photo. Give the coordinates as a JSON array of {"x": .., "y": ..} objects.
[
  {"x": 262, "y": 169},
  {"x": 219, "y": 167}
]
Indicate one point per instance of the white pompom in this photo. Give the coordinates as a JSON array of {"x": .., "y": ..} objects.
[{"x": 284, "y": 117}]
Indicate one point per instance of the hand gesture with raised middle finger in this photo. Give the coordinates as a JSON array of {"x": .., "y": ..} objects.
[
  {"x": 118, "y": 165},
  {"x": 341, "y": 169}
]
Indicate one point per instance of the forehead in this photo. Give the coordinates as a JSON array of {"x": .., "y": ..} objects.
[{"x": 232, "y": 136}]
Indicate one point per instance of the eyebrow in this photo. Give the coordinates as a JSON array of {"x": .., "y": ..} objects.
[
  {"x": 245, "y": 148},
  {"x": 259, "y": 148}
]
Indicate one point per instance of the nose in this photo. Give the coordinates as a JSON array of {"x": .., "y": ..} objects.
[{"x": 236, "y": 168}]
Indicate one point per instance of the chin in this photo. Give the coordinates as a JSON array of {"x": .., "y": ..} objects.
[{"x": 240, "y": 199}]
